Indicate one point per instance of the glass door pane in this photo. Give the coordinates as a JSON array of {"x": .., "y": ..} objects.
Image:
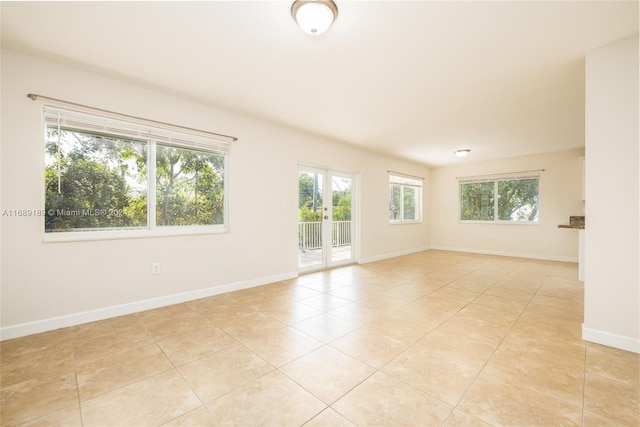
[
  {"x": 310, "y": 220},
  {"x": 341, "y": 221}
]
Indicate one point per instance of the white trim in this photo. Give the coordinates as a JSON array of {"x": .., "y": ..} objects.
[
  {"x": 393, "y": 255},
  {"x": 611, "y": 340},
  {"x": 30, "y": 328},
  {"x": 544, "y": 257}
]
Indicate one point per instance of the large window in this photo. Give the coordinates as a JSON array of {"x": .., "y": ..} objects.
[
  {"x": 405, "y": 199},
  {"x": 103, "y": 174},
  {"x": 511, "y": 199}
]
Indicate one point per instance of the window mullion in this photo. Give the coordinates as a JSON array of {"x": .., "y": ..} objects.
[
  {"x": 496, "y": 197},
  {"x": 402, "y": 203},
  {"x": 151, "y": 185}
]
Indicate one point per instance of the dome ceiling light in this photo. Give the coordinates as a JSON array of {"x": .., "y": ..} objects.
[
  {"x": 462, "y": 152},
  {"x": 314, "y": 16}
]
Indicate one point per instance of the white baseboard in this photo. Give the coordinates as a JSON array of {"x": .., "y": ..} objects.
[
  {"x": 508, "y": 253},
  {"x": 392, "y": 255},
  {"x": 30, "y": 328},
  {"x": 611, "y": 340}
]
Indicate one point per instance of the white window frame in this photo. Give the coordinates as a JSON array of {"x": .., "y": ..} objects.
[
  {"x": 153, "y": 135},
  {"x": 496, "y": 179},
  {"x": 405, "y": 181}
]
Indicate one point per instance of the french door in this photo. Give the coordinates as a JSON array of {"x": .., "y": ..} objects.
[{"x": 326, "y": 220}]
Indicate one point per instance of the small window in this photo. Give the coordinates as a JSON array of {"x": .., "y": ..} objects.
[
  {"x": 107, "y": 175},
  {"x": 405, "y": 199},
  {"x": 506, "y": 199}
]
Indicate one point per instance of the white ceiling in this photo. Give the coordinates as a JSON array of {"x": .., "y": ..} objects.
[{"x": 414, "y": 79}]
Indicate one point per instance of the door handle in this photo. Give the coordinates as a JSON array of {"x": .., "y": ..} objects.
[{"x": 326, "y": 217}]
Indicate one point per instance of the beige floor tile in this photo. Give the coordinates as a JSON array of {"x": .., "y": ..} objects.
[
  {"x": 516, "y": 282},
  {"x": 614, "y": 364},
  {"x": 324, "y": 302},
  {"x": 384, "y": 401},
  {"x": 224, "y": 371},
  {"x": 550, "y": 375},
  {"x": 561, "y": 288},
  {"x": 356, "y": 292},
  {"x": 34, "y": 398},
  {"x": 386, "y": 301},
  {"x": 558, "y": 303},
  {"x": 370, "y": 346},
  {"x": 327, "y": 373},
  {"x": 546, "y": 328},
  {"x": 329, "y": 418},
  {"x": 461, "y": 419},
  {"x": 420, "y": 286},
  {"x": 593, "y": 420},
  {"x": 432, "y": 373},
  {"x": 396, "y": 325},
  {"x": 298, "y": 293},
  {"x": 356, "y": 314},
  {"x": 91, "y": 349},
  {"x": 427, "y": 316},
  {"x": 67, "y": 417},
  {"x": 522, "y": 295},
  {"x": 471, "y": 285},
  {"x": 325, "y": 327},
  {"x": 200, "y": 417},
  {"x": 500, "y": 402},
  {"x": 16, "y": 348},
  {"x": 479, "y": 329},
  {"x": 120, "y": 369},
  {"x": 291, "y": 313},
  {"x": 244, "y": 328},
  {"x": 612, "y": 399},
  {"x": 272, "y": 400},
  {"x": 17, "y": 367},
  {"x": 493, "y": 315},
  {"x": 153, "y": 401},
  {"x": 438, "y": 303},
  {"x": 172, "y": 314},
  {"x": 563, "y": 313},
  {"x": 455, "y": 293},
  {"x": 466, "y": 350},
  {"x": 282, "y": 346},
  {"x": 501, "y": 303},
  {"x": 194, "y": 344}
]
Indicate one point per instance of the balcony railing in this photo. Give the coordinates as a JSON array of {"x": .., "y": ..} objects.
[{"x": 310, "y": 234}]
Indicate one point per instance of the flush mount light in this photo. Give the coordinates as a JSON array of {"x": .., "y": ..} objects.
[
  {"x": 314, "y": 16},
  {"x": 462, "y": 153}
]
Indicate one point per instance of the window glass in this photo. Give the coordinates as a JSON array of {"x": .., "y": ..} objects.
[
  {"x": 189, "y": 187},
  {"x": 94, "y": 182},
  {"x": 509, "y": 199},
  {"x": 104, "y": 174},
  {"x": 518, "y": 200},
  {"x": 405, "y": 195},
  {"x": 477, "y": 201}
]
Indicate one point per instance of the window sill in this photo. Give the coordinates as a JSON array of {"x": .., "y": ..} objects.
[
  {"x": 85, "y": 236},
  {"x": 404, "y": 222}
]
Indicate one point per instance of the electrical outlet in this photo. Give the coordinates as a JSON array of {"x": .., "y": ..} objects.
[{"x": 155, "y": 268}]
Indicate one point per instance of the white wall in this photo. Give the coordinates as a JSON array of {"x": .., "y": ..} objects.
[
  {"x": 560, "y": 197},
  {"x": 50, "y": 285},
  {"x": 612, "y": 280}
]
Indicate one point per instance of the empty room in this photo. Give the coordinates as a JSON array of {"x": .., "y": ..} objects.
[{"x": 320, "y": 213}]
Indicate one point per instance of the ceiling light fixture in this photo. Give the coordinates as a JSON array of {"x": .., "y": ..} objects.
[
  {"x": 462, "y": 153},
  {"x": 314, "y": 16}
]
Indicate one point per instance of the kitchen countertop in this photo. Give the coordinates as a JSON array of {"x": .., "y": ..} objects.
[{"x": 576, "y": 222}]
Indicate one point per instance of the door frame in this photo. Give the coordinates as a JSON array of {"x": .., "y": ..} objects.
[{"x": 327, "y": 174}]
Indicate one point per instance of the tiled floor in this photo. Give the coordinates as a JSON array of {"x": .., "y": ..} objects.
[{"x": 434, "y": 338}]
